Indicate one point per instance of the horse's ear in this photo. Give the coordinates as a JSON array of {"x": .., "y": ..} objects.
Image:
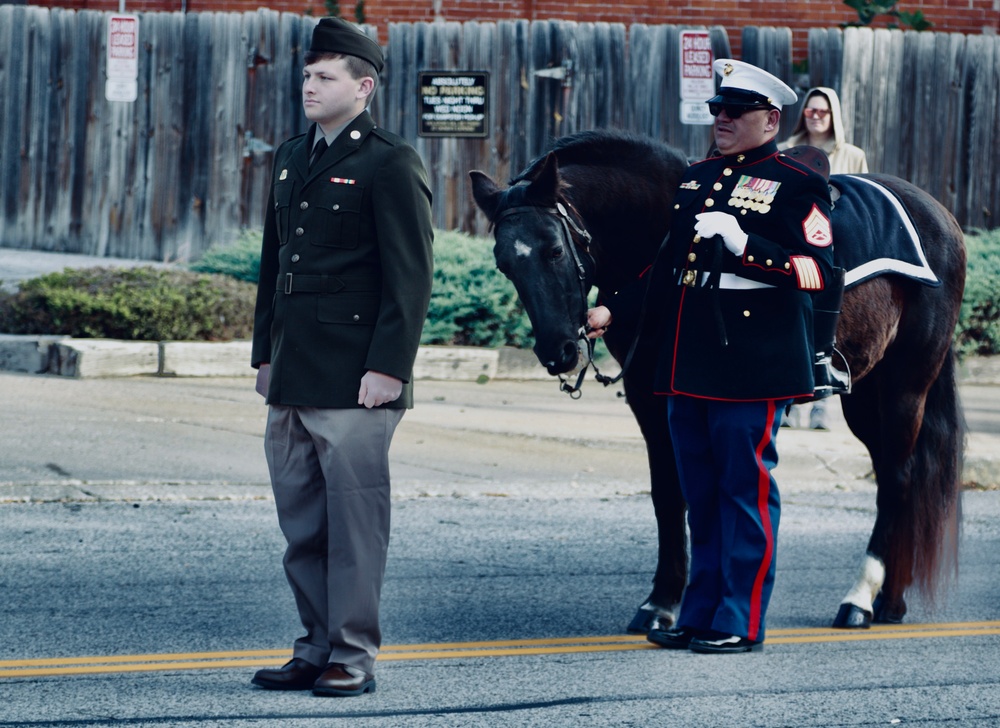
[
  {"x": 544, "y": 188},
  {"x": 486, "y": 192}
]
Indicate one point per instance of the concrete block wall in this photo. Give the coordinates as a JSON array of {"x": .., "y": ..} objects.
[{"x": 92, "y": 358}]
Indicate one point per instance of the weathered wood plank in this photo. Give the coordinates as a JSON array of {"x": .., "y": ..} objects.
[
  {"x": 977, "y": 190},
  {"x": 189, "y": 163},
  {"x": 881, "y": 102}
]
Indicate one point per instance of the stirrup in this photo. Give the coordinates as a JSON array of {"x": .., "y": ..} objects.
[{"x": 828, "y": 379}]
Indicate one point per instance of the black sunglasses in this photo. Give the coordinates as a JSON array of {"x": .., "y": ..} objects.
[{"x": 733, "y": 111}]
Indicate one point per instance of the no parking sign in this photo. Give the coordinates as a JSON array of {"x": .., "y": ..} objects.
[
  {"x": 123, "y": 58},
  {"x": 697, "y": 79}
]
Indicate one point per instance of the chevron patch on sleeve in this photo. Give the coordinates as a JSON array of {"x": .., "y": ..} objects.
[
  {"x": 816, "y": 227},
  {"x": 807, "y": 273}
]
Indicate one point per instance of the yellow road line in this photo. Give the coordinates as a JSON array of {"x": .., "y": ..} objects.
[{"x": 48, "y": 667}]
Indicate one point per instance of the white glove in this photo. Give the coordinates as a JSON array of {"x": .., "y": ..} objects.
[
  {"x": 377, "y": 389},
  {"x": 263, "y": 378},
  {"x": 722, "y": 223}
]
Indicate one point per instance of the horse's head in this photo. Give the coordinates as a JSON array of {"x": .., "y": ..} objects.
[{"x": 541, "y": 246}]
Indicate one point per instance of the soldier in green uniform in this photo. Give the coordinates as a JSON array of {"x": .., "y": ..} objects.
[{"x": 345, "y": 281}]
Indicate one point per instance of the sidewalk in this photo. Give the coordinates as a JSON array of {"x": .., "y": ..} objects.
[
  {"x": 201, "y": 438},
  {"x": 110, "y": 422}
]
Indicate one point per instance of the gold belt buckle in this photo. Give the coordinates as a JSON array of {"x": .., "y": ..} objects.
[{"x": 690, "y": 278}]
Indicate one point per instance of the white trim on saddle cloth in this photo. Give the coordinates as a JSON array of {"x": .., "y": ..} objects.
[{"x": 891, "y": 265}]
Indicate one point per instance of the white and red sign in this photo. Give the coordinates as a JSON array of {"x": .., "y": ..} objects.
[
  {"x": 697, "y": 79},
  {"x": 123, "y": 58}
]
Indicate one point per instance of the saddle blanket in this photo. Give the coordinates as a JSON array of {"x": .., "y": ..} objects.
[{"x": 873, "y": 233}]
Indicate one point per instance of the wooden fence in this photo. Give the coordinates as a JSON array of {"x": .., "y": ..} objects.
[
  {"x": 546, "y": 79},
  {"x": 188, "y": 164},
  {"x": 924, "y": 107}
]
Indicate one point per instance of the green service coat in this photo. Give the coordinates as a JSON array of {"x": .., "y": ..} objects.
[{"x": 345, "y": 267}]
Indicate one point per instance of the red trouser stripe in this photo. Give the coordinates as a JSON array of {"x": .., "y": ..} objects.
[{"x": 763, "y": 493}]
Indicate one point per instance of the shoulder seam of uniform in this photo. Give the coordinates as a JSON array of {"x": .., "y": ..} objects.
[{"x": 386, "y": 135}]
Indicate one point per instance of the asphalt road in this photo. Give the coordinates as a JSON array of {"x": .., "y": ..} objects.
[{"x": 142, "y": 585}]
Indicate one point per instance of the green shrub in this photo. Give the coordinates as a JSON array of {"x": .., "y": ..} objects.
[
  {"x": 471, "y": 303},
  {"x": 240, "y": 259},
  {"x": 978, "y": 331},
  {"x": 134, "y": 304}
]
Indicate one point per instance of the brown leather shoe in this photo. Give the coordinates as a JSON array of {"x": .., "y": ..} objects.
[
  {"x": 342, "y": 681},
  {"x": 296, "y": 674}
]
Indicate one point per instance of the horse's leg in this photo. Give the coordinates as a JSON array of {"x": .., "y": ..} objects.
[
  {"x": 908, "y": 415},
  {"x": 663, "y": 603},
  {"x": 861, "y": 410}
]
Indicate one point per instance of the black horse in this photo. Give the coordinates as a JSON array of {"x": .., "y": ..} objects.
[{"x": 593, "y": 212}]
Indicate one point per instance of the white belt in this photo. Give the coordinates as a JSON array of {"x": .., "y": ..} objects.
[{"x": 735, "y": 282}]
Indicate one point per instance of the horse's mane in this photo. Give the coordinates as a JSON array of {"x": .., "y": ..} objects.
[{"x": 609, "y": 148}]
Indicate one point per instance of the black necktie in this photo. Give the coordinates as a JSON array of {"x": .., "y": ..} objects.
[{"x": 321, "y": 146}]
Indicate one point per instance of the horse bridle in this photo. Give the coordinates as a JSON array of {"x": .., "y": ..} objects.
[
  {"x": 568, "y": 226},
  {"x": 560, "y": 212}
]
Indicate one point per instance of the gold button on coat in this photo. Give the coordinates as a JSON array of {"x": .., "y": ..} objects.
[
  {"x": 746, "y": 314},
  {"x": 300, "y": 232},
  {"x": 303, "y": 205}
]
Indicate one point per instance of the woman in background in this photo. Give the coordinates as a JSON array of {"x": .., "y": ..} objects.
[{"x": 821, "y": 125}]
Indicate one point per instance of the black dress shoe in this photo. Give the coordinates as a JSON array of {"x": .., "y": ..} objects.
[
  {"x": 343, "y": 681},
  {"x": 674, "y": 638},
  {"x": 296, "y": 674},
  {"x": 725, "y": 645}
]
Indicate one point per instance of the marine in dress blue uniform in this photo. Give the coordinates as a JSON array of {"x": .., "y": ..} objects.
[{"x": 750, "y": 245}]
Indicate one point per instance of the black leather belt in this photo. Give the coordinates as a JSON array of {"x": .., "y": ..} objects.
[{"x": 297, "y": 283}]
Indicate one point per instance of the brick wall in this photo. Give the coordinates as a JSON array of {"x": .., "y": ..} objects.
[{"x": 955, "y": 16}]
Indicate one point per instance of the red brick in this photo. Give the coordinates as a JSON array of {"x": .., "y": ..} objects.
[{"x": 955, "y": 16}]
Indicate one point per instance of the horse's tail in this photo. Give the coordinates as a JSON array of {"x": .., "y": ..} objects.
[{"x": 930, "y": 544}]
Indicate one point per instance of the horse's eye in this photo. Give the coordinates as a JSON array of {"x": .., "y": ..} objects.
[{"x": 555, "y": 254}]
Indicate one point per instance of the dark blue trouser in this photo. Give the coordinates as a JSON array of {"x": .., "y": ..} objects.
[{"x": 725, "y": 454}]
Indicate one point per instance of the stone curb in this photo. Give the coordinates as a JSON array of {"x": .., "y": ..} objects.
[
  {"x": 95, "y": 358},
  {"x": 87, "y": 358}
]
